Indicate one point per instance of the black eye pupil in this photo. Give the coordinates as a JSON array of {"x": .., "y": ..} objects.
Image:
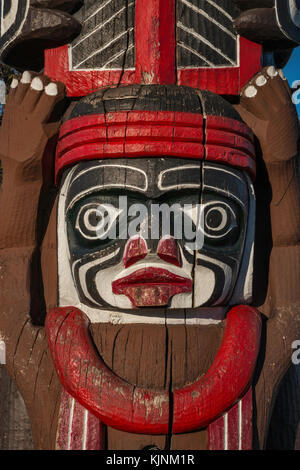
[
  {"x": 94, "y": 218},
  {"x": 214, "y": 219}
]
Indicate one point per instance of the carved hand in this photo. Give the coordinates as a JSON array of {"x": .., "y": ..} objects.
[
  {"x": 29, "y": 124},
  {"x": 25, "y": 128}
]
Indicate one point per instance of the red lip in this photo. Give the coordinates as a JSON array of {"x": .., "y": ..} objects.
[{"x": 151, "y": 287}]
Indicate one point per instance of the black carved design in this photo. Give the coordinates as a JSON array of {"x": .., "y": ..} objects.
[
  {"x": 205, "y": 34},
  {"x": 107, "y": 37}
]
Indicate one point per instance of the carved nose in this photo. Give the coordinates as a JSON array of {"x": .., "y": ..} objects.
[
  {"x": 135, "y": 250},
  {"x": 168, "y": 250}
]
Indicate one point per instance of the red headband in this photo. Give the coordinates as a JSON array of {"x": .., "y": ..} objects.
[{"x": 128, "y": 134}]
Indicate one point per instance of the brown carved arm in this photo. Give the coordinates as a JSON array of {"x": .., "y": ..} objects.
[
  {"x": 26, "y": 137},
  {"x": 266, "y": 106}
]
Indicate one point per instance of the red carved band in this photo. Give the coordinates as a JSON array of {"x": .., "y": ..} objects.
[
  {"x": 155, "y": 134},
  {"x": 134, "y": 409}
]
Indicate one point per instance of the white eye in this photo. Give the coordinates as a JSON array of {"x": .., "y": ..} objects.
[
  {"x": 94, "y": 221},
  {"x": 219, "y": 220}
]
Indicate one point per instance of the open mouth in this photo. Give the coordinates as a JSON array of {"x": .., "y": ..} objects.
[{"x": 151, "y": 287}]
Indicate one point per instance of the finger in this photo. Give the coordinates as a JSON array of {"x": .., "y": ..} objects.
[
  {"x": 276, "y": 90},
  {"x": 12, "y": 91},
  {"x": 22, "y": 87},
  {"x": 34, "y": 92},
  {"x": 53, "y": 93},
  {"x": 252, "y": 100}
]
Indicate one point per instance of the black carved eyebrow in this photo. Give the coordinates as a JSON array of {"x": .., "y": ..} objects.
[
  {"x": 180, "y": 177},
  {"x": 105, "y": 176},
  {"x": 226, "y": 181}
]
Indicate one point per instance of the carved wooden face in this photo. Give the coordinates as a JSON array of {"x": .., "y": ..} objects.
[{"x": 154, "y": 233}]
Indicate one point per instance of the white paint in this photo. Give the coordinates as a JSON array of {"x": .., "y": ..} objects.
[
  {"x": 261, "y": 80},
  {"x": 37, "y": 84},
  {"x": 117, "y": 55},
  {"x": 243, "y": 291},
  {"x": 226, "y": 431},
  {"x": 102, "y": 25},
  {"x": 294, "y": 12},
  {"x": 204, "y": 281},
  {"x": 14, "y": 83},
  {"x": 271, "y": 71},
  {"x": 85, "y": 428},
  {"x": 97, "y": 11},
  {"x": 280, "y": 71},
  {"x": 240, "y": 424},
  {"x": 8, "y": 21},
  {"x": 76, "y": 67},
  {"x": 51, "y": 89},
  {"x": 70, "y": 423},
  {"x": 205, "y": 41},
  {"x": 161, "y": 187},
  {"x": 217, "y": 6},
  {"x": 26, "y": 77},
  {"x": 250, "y": 91},
  {"x": 196, "y": 53},
  {"x": 207, "y": 16}
]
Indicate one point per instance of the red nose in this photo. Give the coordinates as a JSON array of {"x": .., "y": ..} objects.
[
  {"x": 168, "y": 250},
  {"x": 135, "y": 250}
]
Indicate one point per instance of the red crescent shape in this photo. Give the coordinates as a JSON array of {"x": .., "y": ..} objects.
[{"x": 128, "y": 408}]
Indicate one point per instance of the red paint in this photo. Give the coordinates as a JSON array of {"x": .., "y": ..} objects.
[
  {"x": 135, "y": 250},
  {"x": 227, "y": 378},
  {"x": 82, "y": 83},
  {"x": 233, "y": 430},
  {"x": 133, "y": 409},
  {"x": 168, "y": 250},
  {"x": 223, "y": 81},
  {"x": 155, "y": 42},
  {"x": 155, "y": 134},
  {"x": 78, "y": 429},
  {"x": 151, "y": 287}
]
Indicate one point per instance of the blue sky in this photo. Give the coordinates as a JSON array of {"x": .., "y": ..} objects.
[{"x": 292, "y": 70}]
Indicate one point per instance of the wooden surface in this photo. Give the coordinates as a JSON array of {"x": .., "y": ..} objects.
[{"x": 15, "y": 428}]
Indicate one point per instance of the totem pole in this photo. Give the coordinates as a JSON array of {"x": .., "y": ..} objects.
[{"x": 140, "y": 339}]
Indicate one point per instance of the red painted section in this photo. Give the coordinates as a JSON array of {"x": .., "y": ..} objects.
[
  {"x": 155, "y": 60},
  {"x": 133, "y": 409},
  {"x": 197, "y": 405},
  {"x": 251, "y": 61},
  {"x": 216, "y": 435},
  {"x": 155, "y": 134},
  {"x": 233, "y": 430},
  {"x": 135, "y": 250},
  {"x": 82, "y": 83},
  {"x": 78, "y": 429},
  {"x": 225, "y": 80},
  {"x": 85, "y": 376},
  {"x": 155, "y": 42},
  {"x": 168, "y": 250},
  {"x": 151, "y": 287}
]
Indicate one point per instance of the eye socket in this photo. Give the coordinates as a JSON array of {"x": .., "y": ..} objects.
[
  {"x": 220, "y": 221},
  {"x": 94, "y": 221}
]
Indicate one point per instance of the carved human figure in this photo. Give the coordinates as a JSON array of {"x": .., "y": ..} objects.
[
  {"x": 140, "y": 273},
  {"x": 149, "y": 227}
]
